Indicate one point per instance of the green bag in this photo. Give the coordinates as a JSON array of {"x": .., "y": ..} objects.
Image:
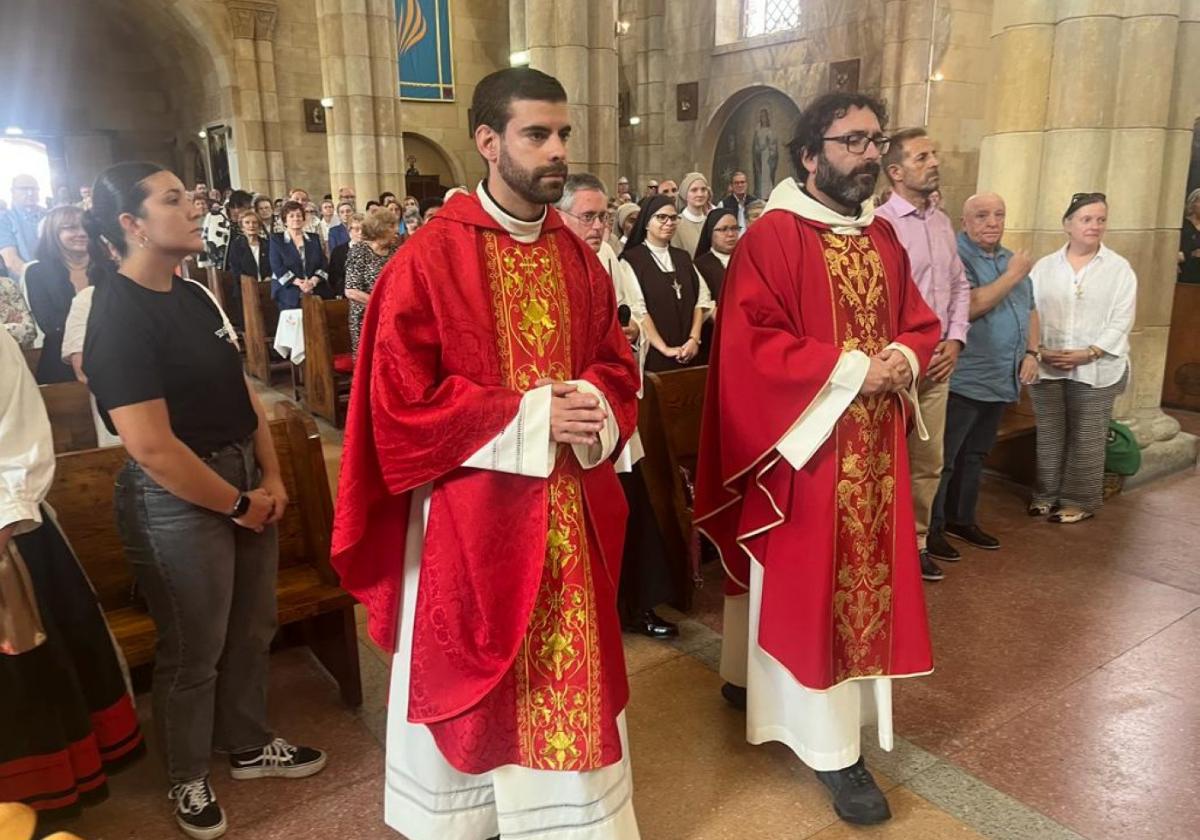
[{"x": 1122, "y": 455}]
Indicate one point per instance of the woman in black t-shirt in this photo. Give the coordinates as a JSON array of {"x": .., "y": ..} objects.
[{"x": 198, "y": 500}]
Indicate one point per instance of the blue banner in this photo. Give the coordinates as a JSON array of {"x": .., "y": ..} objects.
[{"x": 426, "y": 62}]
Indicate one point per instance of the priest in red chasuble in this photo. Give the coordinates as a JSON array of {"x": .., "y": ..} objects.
[
  {"x": 803, "y": 476},
  {"x": 479, "y": 517}
]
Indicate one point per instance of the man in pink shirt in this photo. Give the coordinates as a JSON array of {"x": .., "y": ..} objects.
[{"x": 911, "y": 164}]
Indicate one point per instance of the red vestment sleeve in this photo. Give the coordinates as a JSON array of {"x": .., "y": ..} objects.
[{"x": 408, "y": 423}]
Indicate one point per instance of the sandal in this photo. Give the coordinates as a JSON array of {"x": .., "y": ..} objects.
[
  {"x": 1040, "y": 508},
  {"x": 1070, "y": 517}
]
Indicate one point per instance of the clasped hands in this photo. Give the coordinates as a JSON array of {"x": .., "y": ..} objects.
[
  {"x": 576, "y": 418},
  {"x": 268, "y": 502},
  {"x": 1066, "y": 359},
  {"x": 888, "y": 373}
]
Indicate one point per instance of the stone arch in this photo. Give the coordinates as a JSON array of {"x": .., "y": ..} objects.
[
  {"x": 714, "y": 157},
  {"x": 428, "y": 151}
]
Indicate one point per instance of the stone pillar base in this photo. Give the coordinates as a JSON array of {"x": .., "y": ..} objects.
[{"x": 1164, "y": 457}]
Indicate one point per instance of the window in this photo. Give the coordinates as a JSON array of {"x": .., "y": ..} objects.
[{"x": 762, "y": 17}]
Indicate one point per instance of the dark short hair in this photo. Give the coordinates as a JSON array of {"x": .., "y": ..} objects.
[
  {"x": 895, "y": 153},
  {"x": 429, "y": 203},
  {"x": 291, "y": 207},
  {"x": 815, "y": 120},
  {"x": 384, "y": 196},
  {"x": 240, "y": 200},
  {"x": 495, "y": 93}
]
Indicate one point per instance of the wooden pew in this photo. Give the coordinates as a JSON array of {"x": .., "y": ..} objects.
[
  {"x": 669, "y": 421},
  {"x": 1181, "y": 379},
  {"x": 1014, "y": 454},
  {"x": 69, "y": 407},
  {"x": 220, "y": 283},
  {"x": 260, "y": 316},
  {"x": 32, "y": 356},
  {"x": 307, "y": 590},
  {"x": 327, "y": 362}
]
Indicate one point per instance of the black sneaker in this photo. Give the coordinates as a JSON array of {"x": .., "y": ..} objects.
[
  {"x": 929, "y": 569},
  {"x": 278, "y": 759},
  {"x": 974, "y": 535},
  {"x": 937, "y": 547},
  {"x": 196, "y": 810},
  {"x": 856, "y": 797}
]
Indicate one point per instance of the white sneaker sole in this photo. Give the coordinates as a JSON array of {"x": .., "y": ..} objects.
[
  {"x": 216, "y": 831},
  {"x": 300, "y": 772}
]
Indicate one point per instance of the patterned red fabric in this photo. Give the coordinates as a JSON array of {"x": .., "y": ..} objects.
[
  {"x": 343, "y": 363},
  {"x": 429, "y": 390},
  {"x": 842, "y": 594}
]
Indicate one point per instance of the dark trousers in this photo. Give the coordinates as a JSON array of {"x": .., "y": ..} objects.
[
  {"x": 971, "y": 427},
  {"x": 645, "y": 579},
  {"x": 210, "y": 588}
]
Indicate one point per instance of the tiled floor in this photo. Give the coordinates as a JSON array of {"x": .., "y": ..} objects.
[{"x": 1064, "y": 706}]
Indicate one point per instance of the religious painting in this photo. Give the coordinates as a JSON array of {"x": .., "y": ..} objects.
[
  {"x": 687, "y": 97},
  {"x": 843, "y": 76},
  {"x": 424, "y": 44},
  {"x": 754, "y": 140},
  {"x": 314, "y": 116}
]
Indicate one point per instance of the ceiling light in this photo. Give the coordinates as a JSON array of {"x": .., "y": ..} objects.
[
  {"x": 937, "y": 77},
  {"x": 519, "y": 58},
  {"x": 202, "y": 134},
  {"x": 635, "y": 120},
  {"x": 327, "y": 102},
  {"x": 14, "y": 131}
]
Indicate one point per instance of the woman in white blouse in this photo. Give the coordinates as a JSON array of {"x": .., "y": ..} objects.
[{"x": 1086, "y": 297}]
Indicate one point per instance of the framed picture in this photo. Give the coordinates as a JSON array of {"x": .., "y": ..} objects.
[
  {"x": 314, "y": 116},
  {"x": 843, "y": 76},
  {"x": 687, "y": 100}
]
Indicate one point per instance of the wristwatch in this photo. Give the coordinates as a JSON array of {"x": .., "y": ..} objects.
[{"x": 240, "y": 507}]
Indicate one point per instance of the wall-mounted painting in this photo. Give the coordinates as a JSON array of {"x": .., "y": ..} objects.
[
  {"x": 754, "y": 140},
  {"x": 426, "y": 60},
  {"x": 843, "y": 76}
]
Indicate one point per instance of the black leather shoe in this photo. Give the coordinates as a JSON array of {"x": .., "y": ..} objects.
[
  {"x": 653, "y": 625},
  {"x": 929, "y": 569},
  {"x": 937, "y": 547},
  {"x": 735, "y": 695},
  {"x": 856, "y": 797},
  {"x": 973, "y": 535}
]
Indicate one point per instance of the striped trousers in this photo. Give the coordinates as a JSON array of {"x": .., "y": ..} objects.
[{"x": 1072, "y": 432}]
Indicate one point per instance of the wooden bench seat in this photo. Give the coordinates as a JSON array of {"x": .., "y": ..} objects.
[
  {"x": 327, "y": 351},
  {"x": 310, "y": 602},
  {"x": 69, "y": 406},
  {"x": 260, "y": 317},
  {"x": 1014, "y": 454}
]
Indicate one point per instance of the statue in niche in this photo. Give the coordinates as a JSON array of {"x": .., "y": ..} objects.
[{"x": 766, "y": 155}]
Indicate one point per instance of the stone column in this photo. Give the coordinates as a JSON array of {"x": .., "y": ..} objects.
[
  {"x": 650, "y": 97},
  {"x": 575, "y": 41},
  {"x": 1099, "y": 95},
  {"x": 257, "y": 133},
  {"x": 359, "y": 67}
]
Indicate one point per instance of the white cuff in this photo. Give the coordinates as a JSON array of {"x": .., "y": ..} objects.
[
  {"x": 911, "y": 393},
  {"x": 597, "y": 454},
  {"x": 525, "y": 446},
  {"x": 287, "y": 278},
  {"x": 816, "y": 423},
  {"x": 26, "y": 515}
]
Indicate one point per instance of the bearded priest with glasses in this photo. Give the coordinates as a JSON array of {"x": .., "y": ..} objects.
[{"x": 803, "y": 481}]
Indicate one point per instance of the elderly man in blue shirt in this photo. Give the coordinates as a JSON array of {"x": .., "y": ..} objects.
[
  {"x": 1000, "y": 357},
  {"x": 19, "y": 225}
]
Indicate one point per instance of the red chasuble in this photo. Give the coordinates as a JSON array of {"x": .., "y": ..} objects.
[
  {"x": 516, "y": 650},
  {"x": 841, "y": 589}
]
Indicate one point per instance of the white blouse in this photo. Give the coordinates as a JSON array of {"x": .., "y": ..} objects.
[
  {"x": 1094, "y": 307},
  {"x": 662, "y": 256},
  {"x": 26, "y": 443}
]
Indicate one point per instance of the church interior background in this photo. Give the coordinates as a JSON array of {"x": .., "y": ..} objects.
[{"x": 1064, "y": 703}]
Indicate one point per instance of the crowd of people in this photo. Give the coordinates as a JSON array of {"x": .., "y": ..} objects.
[{"x": 861, "y": 355}]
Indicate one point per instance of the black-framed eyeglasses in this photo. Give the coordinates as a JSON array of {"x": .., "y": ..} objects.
[
  {"x": 726, "y": 229},
  {"x": 591, "y": 217},
  {"x": 857, "y": 142},
  {"x": 665, "y": 218}
]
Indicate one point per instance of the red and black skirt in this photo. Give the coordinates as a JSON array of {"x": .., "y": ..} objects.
[{"x": 67, "y": 718}]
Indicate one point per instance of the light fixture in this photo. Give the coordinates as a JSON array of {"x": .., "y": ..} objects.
[
  {"x": 14, "y": 131},
  {"x": 623, "y": 27},
  {"x": 635, "y": 120},
  {"x": 519, "y": 58},
  {"x": 202, "y": 134},
  {"x": 937, "y": 77},
  {"x": 327, "y": 102}
]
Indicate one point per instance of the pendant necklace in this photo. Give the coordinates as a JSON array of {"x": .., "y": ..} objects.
[{"x": 678, "y": 289}]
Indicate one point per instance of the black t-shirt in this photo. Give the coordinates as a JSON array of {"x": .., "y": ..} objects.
[{"x": 145, "y": 345}]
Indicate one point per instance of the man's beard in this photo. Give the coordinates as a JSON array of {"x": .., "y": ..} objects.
[
  {"x": 848, "y": 190},
  {"x": 528, "y": 183}
]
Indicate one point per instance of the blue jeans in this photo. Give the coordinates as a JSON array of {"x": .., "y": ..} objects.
[
  {"x": 971, "y": 427},
  {"x": 210, "y": 588}
]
